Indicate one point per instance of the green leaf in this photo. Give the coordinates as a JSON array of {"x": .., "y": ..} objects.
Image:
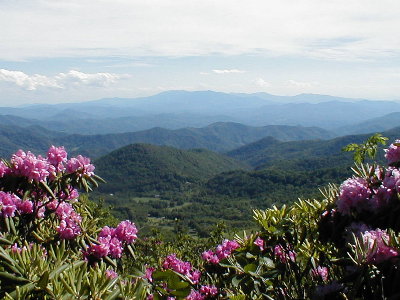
[
  {"x": 10, "y": 277},
  {"x": 44, "y": 280},
  {"x": 250, "y": 268}
]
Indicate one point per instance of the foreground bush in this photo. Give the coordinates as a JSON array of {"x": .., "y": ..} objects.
[{"x": 344, "y": 246}]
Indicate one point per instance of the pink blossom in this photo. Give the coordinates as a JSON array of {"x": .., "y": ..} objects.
[
  {"x": 149, "y": 273},
  {"x": 284, "y": 255},
  {"x": 354, "y": 193},
  {"x": 81, "y": 165},
  {"x": 210, "y": 256},
  {"x": 182, "y": 267},
  {"x": 320, "y": 273},
  {"x": 52, "y": 205},
  {"x": 195, "y": 295},
  {"x": 4, "y": 170},
  {"x": 107, "y": 231},
  {"x": 221, "y": 251},
  {"x": 8, "y": 204},
  {"x": 99, "y": 250},
  {"x": 376, "y": 245},
  {"x": 64, "y": 210},
  {"x": 116, "y": 248},
  {"x": 111, "y": 274},
  {"x": 57, "y": 156},
  {"x": 126, "y": 231},
  {"x": 41, "y": 210},
  {"x": 208, "y": 290},
  {"x": 260, "y": 243},
  {"x": 30, "y": 166},
  {"x": 393, "y": 153},
  {"x": 68, "y": 229},
  {"x": 25, "y": 207}
]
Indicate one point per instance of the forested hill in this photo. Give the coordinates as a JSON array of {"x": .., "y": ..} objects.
[
  {"x": 144, "y": 168},
  {"x": 315, "y": 154}
]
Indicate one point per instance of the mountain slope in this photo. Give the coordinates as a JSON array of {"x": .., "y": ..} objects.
[
  {"x": 149, "y": 168},
  {"x": 35, "y": 139},
  {"x": 216, "y": 137},
  {"x": 378, "y": 124}
]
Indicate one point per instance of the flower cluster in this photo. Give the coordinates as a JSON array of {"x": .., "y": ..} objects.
[
  {"x": 171, "y": 262},
  {"x": 376, "y": 243},
  {"x": 111, "y": 241},
  {"x": 204, "y": 292},
  {"x": 260, "y": 243},
  {"x": 81, "y": 165},
  {"x": 69, "y": 221},
  {"x": 320, "y": 273},
  {"x": 3, "y": 169},
  {"x": 221, "y": 252},
  {"x": 10, "y": 204},
  {"x": 393, "y": 153},
  {"x": 283, "y": 254},
  {"x": 354, "y": 193},
  {"x": 40, "y": 169},
  {"x": 359, "y": 194}
]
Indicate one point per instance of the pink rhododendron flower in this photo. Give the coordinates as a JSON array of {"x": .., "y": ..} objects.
[
  {"x": 99, "y": 250},
  {"x": 57, "y": 156},
  {"x": 393, "y": 153},
  {"x": 3, "y": 169},
  {"x": 25, "y": 207},
  {"x": 208, "y": 290},
  {"x": 354, "y": 193},
  {"x": 195, "y": 295},
  {"x": 260, "y": 243},
  {"x": 81, "y": 165},
  {"x": 52, "y": 205},
  {"x": 111, "y": 240},
  {"x": 284, "y": 255},
  {"x": 111, "y": 274},
  {"x": 320, "y": 273},
  {"x": 182, "y": 267},
  {"x": 68, "y": 229},
  {"x": 126, "y": 231},
  {"x": 376, "y": 244},
  {"x": 30, "y": 166},
  {"x": 149, "y": 273},
  {"x": 8, "y": 204},
  {"x": 221, "y": 252},
  {"x": 116, "y": 248},
  {"x": 107, "y": 231}
]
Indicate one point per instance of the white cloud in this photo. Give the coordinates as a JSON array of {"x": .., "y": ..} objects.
[
  {"x": 96, "y": 79},
  {"x": 262, "y": 83},
  {"x": 228, "y": 71},
  {"x": 60, "y": 81},
  {"x": 26, "y": 81},
  {"x": 336, "y": 29}
]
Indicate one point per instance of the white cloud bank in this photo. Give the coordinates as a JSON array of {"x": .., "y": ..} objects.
[
  {"x": 336, "y": 29},
  {"x": 60, "y": 81}
]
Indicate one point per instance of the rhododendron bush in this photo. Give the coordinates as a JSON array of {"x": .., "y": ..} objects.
[{"x": 345, "y": 245}]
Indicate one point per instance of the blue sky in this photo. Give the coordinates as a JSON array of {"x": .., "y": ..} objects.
[{"x": 67, "y": 51}]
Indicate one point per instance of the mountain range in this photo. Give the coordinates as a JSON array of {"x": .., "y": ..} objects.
[
  {"x": 181, "y": 109},
  {"x": 217, "y": 137}
]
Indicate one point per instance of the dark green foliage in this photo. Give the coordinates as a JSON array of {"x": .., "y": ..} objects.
[
  {"x": 145, "y": 168},
  {"x": 366, "y": 149}
]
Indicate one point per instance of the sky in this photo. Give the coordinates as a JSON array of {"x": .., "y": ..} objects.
[{"x": 54, "y": 51}]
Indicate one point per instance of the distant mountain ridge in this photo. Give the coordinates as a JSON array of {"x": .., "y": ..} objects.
[
  {"x": 181, "y": 109},
  {"x": 217, "y": 137}
]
